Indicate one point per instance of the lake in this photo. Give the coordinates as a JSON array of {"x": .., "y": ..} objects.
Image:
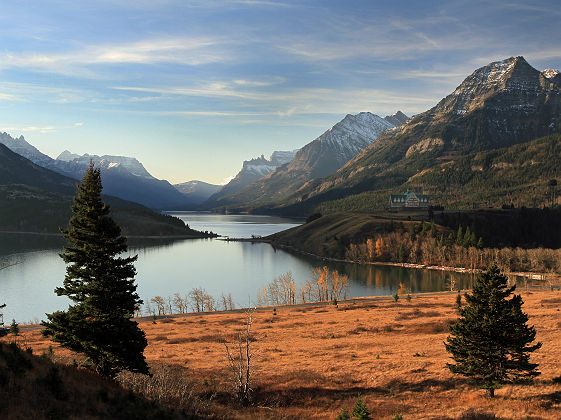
[{"x": 165, "y": 267}]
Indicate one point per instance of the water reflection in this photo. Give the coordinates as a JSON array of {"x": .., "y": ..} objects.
[{"x": 165, "y": 267}]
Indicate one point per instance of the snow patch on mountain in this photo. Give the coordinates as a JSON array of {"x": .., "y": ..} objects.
[
  {"x": 352, "y": 134},
  {"x": 255, "y": 169},
  {"x": 67, "y": 156},
  {"x": 124, "y": 164},
  {"x": 550, "y": 73}
]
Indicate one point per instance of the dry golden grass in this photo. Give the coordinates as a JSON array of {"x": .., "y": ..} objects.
[{"x": 311, "y": 362}]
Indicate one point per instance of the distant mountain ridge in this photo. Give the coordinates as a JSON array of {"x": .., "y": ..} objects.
[
  {"x": 397, "y": 119},
  {"x": 124, "y": 164},
  {"x": 319, "y": 158},
  {"x": 253, "y": 170},
  {"x": 197, "y": 191},
  {"x": 36, "y": 199},
  {"x": 122, "y": 176}
]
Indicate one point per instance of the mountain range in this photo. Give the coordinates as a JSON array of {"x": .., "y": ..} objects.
[
  {"x": 252, "y": 170},
  {"x": 36, "y": 199},
  {"x": 123, "y": 177},
  {"x": 465, "y": 145},
  {"x": 319, "y": 158},
  {"x": 197, "y": 191},
  {"x": 498, "y": 106}
]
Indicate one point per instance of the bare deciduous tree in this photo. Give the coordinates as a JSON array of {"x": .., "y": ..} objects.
[
  {"x": 160, "y": 304},
  {"x": 196, "y": 299},
  {"x": 227, "y": 302},
  {"x": 179, "y": 303},
  {"x": 240, "y": 359}
]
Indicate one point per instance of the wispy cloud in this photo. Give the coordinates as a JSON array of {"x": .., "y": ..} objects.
[
  {"x": 43, "y": 129},
  {"x": 7, "y": 97},
  {"x": 30, "y": 128},
  {"x": 34, "y": 92},
  {"x": 182, "y": 50}
]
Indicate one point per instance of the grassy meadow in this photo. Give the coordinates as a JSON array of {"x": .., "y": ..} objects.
[{"x": 310, "y": 362}]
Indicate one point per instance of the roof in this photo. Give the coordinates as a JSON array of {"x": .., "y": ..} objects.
[{"x": 402, "y": 198}]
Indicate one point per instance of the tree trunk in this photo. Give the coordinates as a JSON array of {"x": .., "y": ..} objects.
[{"x": 490, "y": 392}]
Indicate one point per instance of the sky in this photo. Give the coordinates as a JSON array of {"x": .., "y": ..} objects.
[{"x": 194, "y": 88}]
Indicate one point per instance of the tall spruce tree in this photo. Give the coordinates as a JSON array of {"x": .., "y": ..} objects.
[
  {"x": 491, "y": 341},
  {"x": 101, "y": 286}
]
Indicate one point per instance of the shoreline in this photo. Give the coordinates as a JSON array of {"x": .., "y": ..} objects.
[
  {"x": 530, "y": 275},
  {"x": 351, "y": 301},
  {"x": 60, "y": 235}
]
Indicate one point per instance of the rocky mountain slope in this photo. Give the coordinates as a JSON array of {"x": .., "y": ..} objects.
[
  {"x": 123, "y": 177},
  {"x": 317, "y": 159},
  {"x": 252, "y": 170},
  {"x": 502, "y": 104}
]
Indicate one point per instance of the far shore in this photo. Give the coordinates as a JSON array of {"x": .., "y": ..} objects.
[
  {"x": 60, "y": 235},
  {"x": 530, "y": 275}
]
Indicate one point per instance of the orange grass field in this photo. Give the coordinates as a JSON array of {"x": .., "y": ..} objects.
[{"x": 310, "y": 362}]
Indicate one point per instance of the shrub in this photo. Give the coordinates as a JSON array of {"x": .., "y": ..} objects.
[
  {"x": 343, "y": 415},
  {"x": 14, "y": 327},
  {"x": 53, "y": 382},
  {"x": 360, "y": 411}
]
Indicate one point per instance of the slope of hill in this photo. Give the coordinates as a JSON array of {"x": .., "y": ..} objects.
[
  {"x": 15, "y": 169},
  {"x": 317, "y": 159},
  {"x": 52, "y": 390},
  {"x": 123, "y": 177},
  {"x": 499, "y": 105},
  {"x": 35, "y": 199}
]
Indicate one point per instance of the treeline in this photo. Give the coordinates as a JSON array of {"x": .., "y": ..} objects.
[
  {"x": 324, "y": 285},
  {"x": 522, "y": 227},
  {"x": 197, "y": 300},
  {"x": 422, "y": 244}
]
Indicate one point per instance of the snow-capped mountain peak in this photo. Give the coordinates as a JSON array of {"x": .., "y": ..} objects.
[
  {"x": 108, "y": 162},
  {"x": 353, "y": 133},
  {"x": 67, "y": 156},
  {"x": 550, "y": 73},
  {"x": 20, "y": 146},
  {"x": 508, "y": 76}
]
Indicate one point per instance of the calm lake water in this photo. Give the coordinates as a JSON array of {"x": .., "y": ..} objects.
[{"x": 165, "y": 267}]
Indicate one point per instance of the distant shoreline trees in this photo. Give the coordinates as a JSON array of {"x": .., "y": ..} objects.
[{"x": 424, "y": 245}]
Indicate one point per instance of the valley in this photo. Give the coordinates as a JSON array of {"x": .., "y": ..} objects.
[{"x": 280, "y": 210}]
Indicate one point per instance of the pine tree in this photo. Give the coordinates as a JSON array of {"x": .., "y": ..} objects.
[
  {"x": 360, "y": 410},
  {"x": 491, "y": 341},
  {"x": 459, "y": 236},
  {"x": 101, "y": 286},
  {"x": 480, "y": 243},
  {"x": 343, "y": 415},
  {"x": 467, "y": 238},
  {"x": 14, "y": 327}
]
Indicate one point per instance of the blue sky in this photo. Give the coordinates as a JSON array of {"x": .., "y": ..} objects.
[{"x": 193, "y": 88}]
